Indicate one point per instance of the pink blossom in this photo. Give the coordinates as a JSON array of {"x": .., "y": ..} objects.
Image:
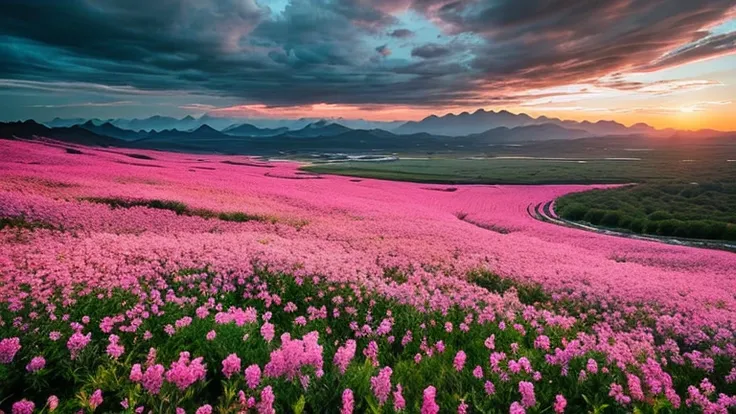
[
  {"x": 429, "y": 406},
  {"x": 186, "y": 372},
  {"x": 560, "y": 404},
  {"x": 8, "y": 348},
  {"x": 268, "y": 331},
  {"x": 371, "y": 352},
  {"x": 205, "y": 409},
  {"x": 516, "y": 408},
  {"x": 52, "y": 402},
  {"x": 36, "y": 364},
  {"x": 153, "y": 378},
  {"x": 399, "y": 401},
  {"x": 230, "y": 365},
  {"x": 23, "y": 407},
  {"x": 347, "y": 402},
  {"x": 344, "y": 355},
  {"x": 381, "y": 385},
  {"x": 77, "y": 342},
  {"x": 95, "y": 399},
  {"x": 459, "y": 361},
  {"x": 267, "y": 400},
  {"x": 253, "y": 376},
  {"x": 526, "y": 389}
]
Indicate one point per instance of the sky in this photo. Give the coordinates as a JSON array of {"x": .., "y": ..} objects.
[{"x": 668, "y": 63}]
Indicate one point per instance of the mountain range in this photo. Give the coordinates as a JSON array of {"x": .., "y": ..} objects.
[{"x": 479, "y": 132}]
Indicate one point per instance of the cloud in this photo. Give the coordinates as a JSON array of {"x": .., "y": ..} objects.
[
  {"x": 325, "y": 50},
  {"x": 401, "y": 33},
  {"x": 383, "y": 50},
  {"x": 86, "y": 104},
  {"x": 430, "y": 51}
]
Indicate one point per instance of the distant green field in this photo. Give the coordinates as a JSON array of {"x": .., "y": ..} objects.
[
  {"x": 590, "y": 160},
  {"x": 532, "y": 171}
]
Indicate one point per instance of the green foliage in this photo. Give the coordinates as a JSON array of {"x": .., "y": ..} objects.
[
  {"x": 177, "y": 207},
  {"x": 696, "y": 211}
]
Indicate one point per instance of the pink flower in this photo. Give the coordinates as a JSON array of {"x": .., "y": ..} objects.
[
  {"x": 344, "y": 355},
  {"x": 478, "y": 372},
  {"x": 23, "y": 407},
  {"x": 490, "y": 342},
  {"x": 347, "y": 402},
  {"x": 516, "y": 408},
  {"x": 205, "y": 409},
  {"x": 77, "y": 342},
  {"x": 52, "y": 402},
  {"x": 54, "y": 335},
  {"x": 253, "y": 376},
  {"x": 36, "y": 364},
  {"x": 230, "y": 365},
  {"x": 462, "y": 408},
  {"x": 399, "y": 401},
  {"x": 211, "y": 335},
  {"x": 560, "y": 404},
  {"x": 592, "y": 366},
  {"x": 381, "y": 385},
  {"x": 114, "y": 349},
  {"x": 459, "y": 361},
  {"x": 526, "y": 389},
  {"x": 429, "y": 406},
  {"x": 153, "y": 378},
  {"x": 184, "y": 372},
  {"x": 371, "y": 352},
  {"x": 268, "y": 331},
  {"x": 95, "y": 399},
  {"x": 490, "y": 388},
  {"x": 267, "y": 400},
  {"x": 136, "y": 375},
  {"x": 8, "y": 348},
  {"x": 294, "y": 354}
]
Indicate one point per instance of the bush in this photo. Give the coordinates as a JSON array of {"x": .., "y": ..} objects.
[
  {"x": 611, "y": 219},
  {"x": 660, "y": 215},
  {"x": 594, "y": 216},
  {"x": 574, "y": 211}
]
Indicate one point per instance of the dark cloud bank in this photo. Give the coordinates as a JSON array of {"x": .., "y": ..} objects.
[{"x": 326, "y": 50}]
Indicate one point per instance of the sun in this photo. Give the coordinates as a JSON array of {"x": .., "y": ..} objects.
[{"x": 687, "y": 109}]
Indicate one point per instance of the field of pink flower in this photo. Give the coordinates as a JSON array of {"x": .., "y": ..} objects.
[{"x": 143, "y": 281}]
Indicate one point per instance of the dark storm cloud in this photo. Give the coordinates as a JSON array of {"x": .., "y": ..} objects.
[
  {"x": 325, "y": 50},
  {"x": 431, "y": 50},
  {"x": 401, "y": 33}
]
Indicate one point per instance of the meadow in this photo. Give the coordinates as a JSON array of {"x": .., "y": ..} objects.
[{"x": 142, "y": 281}]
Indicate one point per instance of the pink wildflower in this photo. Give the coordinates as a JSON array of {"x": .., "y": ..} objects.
[
  {"x": 8, "y": 348},
  {"x": 347, "y": 402},
  {"x": 381, "y": 385},
  {"x": 23, "y": 407},
  {"x": 459, "y": 361},
  {"x": 230, "y": 365},
  {"x": 560, "y": 404},
  {"x": 253, "y": 376},
  {"x": 429, "y": 406},
  {"x": 36, "y": 364}
]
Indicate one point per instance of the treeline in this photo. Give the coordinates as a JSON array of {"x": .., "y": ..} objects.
[{"x": 698, "y": 211}]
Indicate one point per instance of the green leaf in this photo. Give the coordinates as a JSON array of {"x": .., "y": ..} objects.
[{"x": 298, "y": 407}]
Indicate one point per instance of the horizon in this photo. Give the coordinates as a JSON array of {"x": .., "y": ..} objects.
[
  {"x": 255, "y": 121},
  {"x": 376, "y": 61}
]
